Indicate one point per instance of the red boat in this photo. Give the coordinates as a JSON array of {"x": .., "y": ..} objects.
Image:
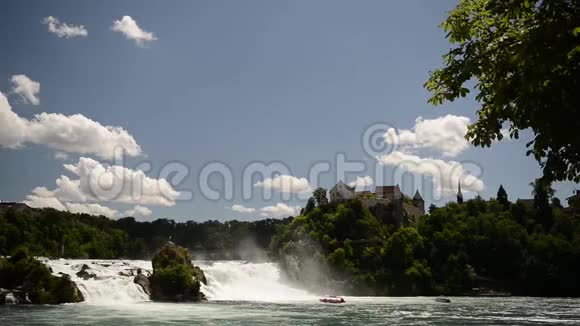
[{"x": 332, "y": 299}]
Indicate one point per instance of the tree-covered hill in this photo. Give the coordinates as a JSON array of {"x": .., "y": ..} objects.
[{"x": 477, "y": 247}]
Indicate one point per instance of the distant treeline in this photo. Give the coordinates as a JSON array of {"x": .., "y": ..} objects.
[{"x": 52, "y": 233}]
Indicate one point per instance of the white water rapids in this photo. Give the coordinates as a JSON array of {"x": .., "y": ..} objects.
[{"x": 227, "y": 280}]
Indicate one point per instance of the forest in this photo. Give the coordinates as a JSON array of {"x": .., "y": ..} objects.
[
  {"x": 480, "y": 247},
  {"x": 51, "y": 233}
]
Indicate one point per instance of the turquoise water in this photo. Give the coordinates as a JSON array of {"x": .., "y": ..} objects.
[{"x": 357, "y": 311}]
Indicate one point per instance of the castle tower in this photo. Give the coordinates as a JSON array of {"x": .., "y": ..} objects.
[
  {"x": 419, "y": 202},
  {"x": 459, "y": 194},
  {"x": 341, "y": 192}
]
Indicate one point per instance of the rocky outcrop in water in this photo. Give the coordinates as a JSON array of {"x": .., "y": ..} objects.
[
  {"x": 144, "y": 282},
  {"x": 174, "y": 277},
  {"x": 24, "y": 279},
  {"x": 84, "y": 274}
]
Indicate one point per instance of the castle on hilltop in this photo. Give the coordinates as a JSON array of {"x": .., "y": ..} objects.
[{"x": 387, "y": 202}]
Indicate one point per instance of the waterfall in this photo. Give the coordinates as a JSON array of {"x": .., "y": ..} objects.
[
  {"x": 244, "y": 281},
  {"x": 112, "y": 282}
]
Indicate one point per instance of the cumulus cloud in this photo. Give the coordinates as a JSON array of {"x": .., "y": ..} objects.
[
  {"x": 242, "y": 209},
  {"x": 65, "y": 30},
  {"x": 91, "y": 209},
  {"x": 95, "y": 182},
  {"x": 445, "y": 174},
  {"x": 128, "y": 27},
  {"x": 279, "y": 210},
  {"x": 139, "y": 212},
  {"x": 285, "y": 184},
  {"x": 27, "y": 88},
  {"x": 98, "y": 182},
  {"x": 445, "y": 134},
  {"x": 73, "y": 134},
  {"x": 42, "y": 197},
  {"x": 362, "y": 182}
]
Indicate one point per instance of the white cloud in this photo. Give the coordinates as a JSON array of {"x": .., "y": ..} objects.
[
  {"x": 139, "y": 212},
  {"x": 42, "y": 197},
  {"x": 445, "y": 174},
  {"x": 13, "y": 129},
  {"x": 96, "y": 182},
  {"x": 27, "y": 88},
  {"x": 128, "y": 27},
  {"x": 285, "y": 184},
  {"x": 92, "y": 209},
  {"x": 446, "y": 134},
  {"x": 73, "y": 134},
  {"x": 61, "y": 156},
  {"x": 242, "y": 209},
  {"x": 62, "y": 29},
  {"x": 279, "y": 210},
  {"x": 362, "y": 182}
]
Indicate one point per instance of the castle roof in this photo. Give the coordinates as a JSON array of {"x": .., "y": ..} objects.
[
  {"x": 393, "y": 192},
  {"x": 459, "y": 193},
  {"x": 417, "y": 195},
  {"x": 340, "y": 184}
]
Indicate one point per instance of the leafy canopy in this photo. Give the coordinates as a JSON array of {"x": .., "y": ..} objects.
[{"x": 524, "y": 60}]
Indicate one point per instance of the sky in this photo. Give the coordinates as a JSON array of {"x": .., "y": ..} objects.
[{"x": 227, "y": 109}]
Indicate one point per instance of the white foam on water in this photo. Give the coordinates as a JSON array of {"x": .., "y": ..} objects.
[
  {"x": 227, "y": 281},
  {"x": 110, "y": 285},
  {"x": 244, "y": 281}
]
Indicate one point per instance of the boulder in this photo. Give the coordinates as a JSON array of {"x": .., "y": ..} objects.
[
  {"x": 84, "y": 274},
  {"x": 23, "y": 279},
  {"x": 65, "y": 290},
  {"x": 174, "y": 277},
  {"x": 143, "y": 281},
  {"x": 126, "y": 272}
]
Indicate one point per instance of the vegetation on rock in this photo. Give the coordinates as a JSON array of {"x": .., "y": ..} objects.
[
  {"x": 174, "y": 277},
  {"x": 30, "y": 281}
]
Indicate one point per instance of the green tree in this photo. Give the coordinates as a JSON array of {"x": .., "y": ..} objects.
[
  {"x": 556, "y": 203},
  {"x": 543, "y": 193},
  {"x": 320, "y": 195},
  {"x": 524, "y": 57},
  {"x": 310, "y": 205},
  {"x": 502, "y": 197},
  {"x": 573, "y": 201},
  {"x": 432, "y": 208}
]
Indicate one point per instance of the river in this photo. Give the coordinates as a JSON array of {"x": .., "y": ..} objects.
[{"x": 241, "y": 293}]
